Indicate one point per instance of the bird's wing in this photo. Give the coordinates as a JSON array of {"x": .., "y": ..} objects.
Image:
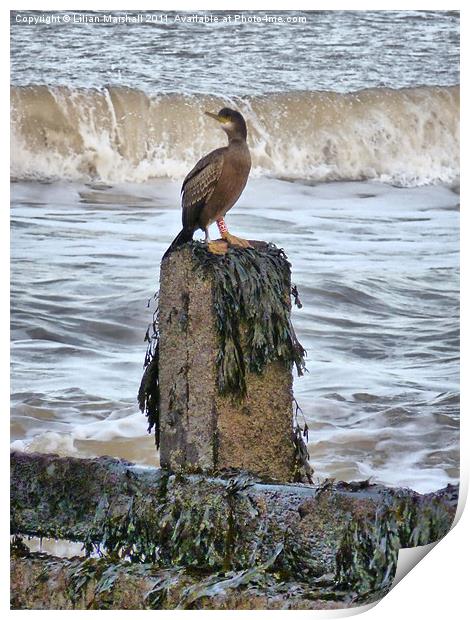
[{"x": 199, "y": 185}]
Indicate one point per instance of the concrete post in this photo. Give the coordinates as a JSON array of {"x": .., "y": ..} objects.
[{"x": 200, "y": 429}]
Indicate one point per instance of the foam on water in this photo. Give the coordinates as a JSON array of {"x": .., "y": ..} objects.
[
  {"x": 406, "y": 137},
  {"x": 49, "y": 442}
]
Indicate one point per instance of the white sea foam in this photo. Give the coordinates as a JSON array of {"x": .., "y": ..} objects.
[
  {"x": 405, "y": 137},
  {"x": 48, "y": 442},
  {"x": 64, "y": 444}
]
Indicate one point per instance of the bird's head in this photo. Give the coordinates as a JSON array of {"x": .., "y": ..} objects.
[{"x": 232, "y": 122}]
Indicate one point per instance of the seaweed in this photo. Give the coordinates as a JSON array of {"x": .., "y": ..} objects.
[
  {"x": 149, "y": 391},
  {"x": 420, "y": 521},
  {"x": 302, "y": 468},
  {"x": 226, "y": 532},
  {"x": 179, "y": 532},
  {"x": 157, "y": 596},
  {"x": 80, "y": 576},
  {"x": 367, "y": 555},
  {"x": 252, "y": 313},
  {"x": 18, "y": 548},
  {"x": 216, "y": 584},
  {"x": 94, "y": 583},
  {"x": 105, "y": 584},
  {"x": 193, "y": 538}
]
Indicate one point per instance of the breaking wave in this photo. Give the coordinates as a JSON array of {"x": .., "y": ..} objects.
[{"x": 407, "y": 137}]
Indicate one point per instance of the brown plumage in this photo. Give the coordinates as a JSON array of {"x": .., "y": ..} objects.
[{"x": 215, "y": 183}]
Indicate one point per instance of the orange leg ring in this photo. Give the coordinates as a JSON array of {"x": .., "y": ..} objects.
[{"x": 222, "y": 226}]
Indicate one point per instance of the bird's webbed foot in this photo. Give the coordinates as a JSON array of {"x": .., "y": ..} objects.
[
  {"x": 217, "y": 247},
  {"x": 236, "y": 241},
  {"x": 231, "y": 239}
]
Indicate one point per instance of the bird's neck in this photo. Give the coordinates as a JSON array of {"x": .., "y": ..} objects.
[{"x": 237, "y": 140}]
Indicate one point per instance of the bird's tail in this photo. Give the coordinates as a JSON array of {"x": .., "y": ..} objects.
[{"x": 183, "y": 236}]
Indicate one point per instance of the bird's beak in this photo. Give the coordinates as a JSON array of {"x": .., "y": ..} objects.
[{"x": 212, "y": 115}]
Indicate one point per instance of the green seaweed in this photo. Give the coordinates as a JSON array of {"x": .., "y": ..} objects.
[
  {"x": 80, "y": 576},
  {"x": 18, "y": 548},
  {"x": 302, "y": 468},
  {"x": 179, "y": 532},
  {"x": 149, "y": 391},
  {"x": 339, "y": 543},
  {"x": 225, "y": 533},
  {"x": 157, "y": 596},
  {"x": 197, "y": 545},
  {"x": 92, "y": 583},
  {"x": 419, "y": 522},
  {"x": 105, "y": 584},
  {"x": 252, "y": 313},
  {"x": 215, "y": 584},
  {"x": 367, "y": 555}
]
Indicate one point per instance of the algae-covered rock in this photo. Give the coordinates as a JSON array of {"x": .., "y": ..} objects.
[
  {"x": 334, "y": 540},
  {"x": 217, "y": 385},
  {"x": 45, "y": 582}
]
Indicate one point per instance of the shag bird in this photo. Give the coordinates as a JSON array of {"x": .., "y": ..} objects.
[{"x": 215, "y": 184}]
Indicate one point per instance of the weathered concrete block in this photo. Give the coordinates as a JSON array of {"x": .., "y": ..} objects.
[
  {"x": 198, "y": 541},
  {"x": 202, "y": 429}
]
